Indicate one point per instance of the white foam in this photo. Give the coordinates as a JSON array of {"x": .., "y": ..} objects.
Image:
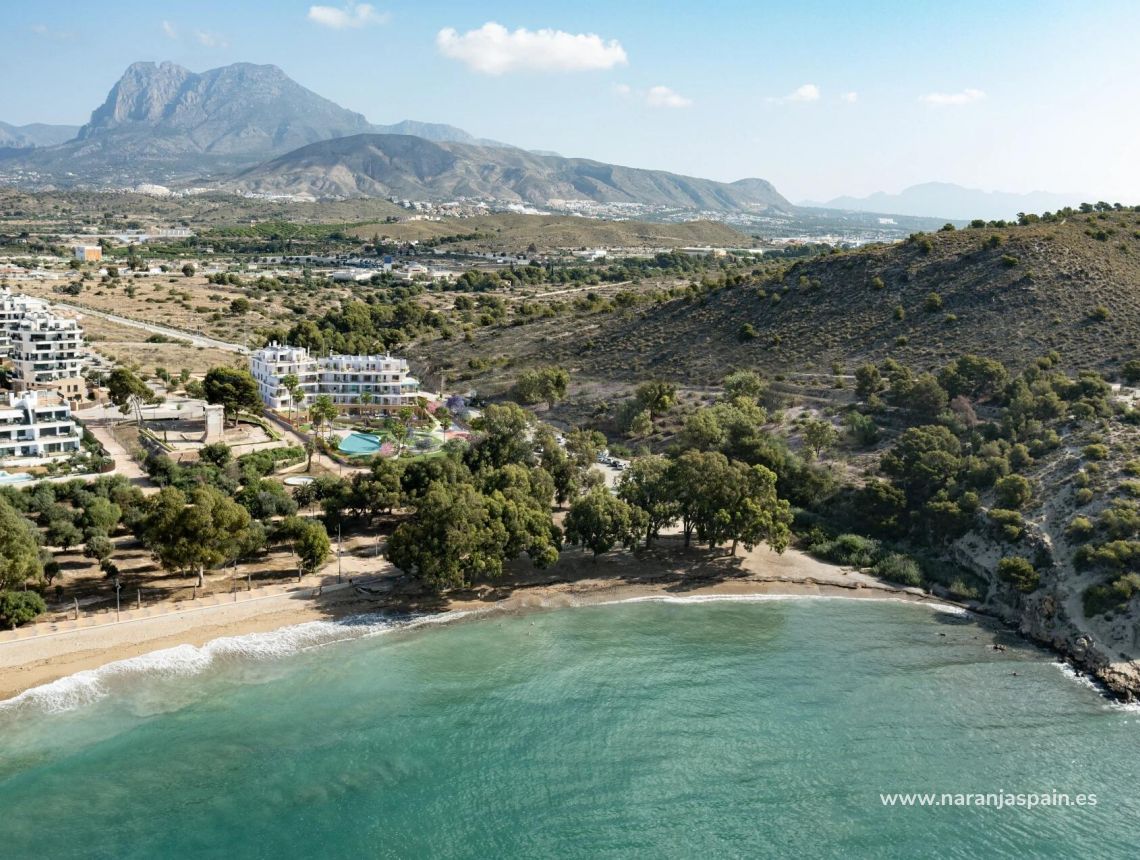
[
  {"x": 1093, "y": 684},
  {"x": 186, "y": 661},
  {"x": 765, "y": 598}
]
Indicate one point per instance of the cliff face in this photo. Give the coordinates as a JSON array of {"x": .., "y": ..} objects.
[{"x": 1105, "y": 645}]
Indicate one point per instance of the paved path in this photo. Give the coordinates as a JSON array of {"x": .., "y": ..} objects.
[{"x": 195, "y": 339}]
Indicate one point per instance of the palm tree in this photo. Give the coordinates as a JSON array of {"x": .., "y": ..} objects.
[
  {"x": 366, "y": 399},
  {"x": 322, "y": 410},
  {"x": 290, "y": 383}
]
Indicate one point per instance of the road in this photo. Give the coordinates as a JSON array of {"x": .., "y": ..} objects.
[{"x": 195, "y": 339}]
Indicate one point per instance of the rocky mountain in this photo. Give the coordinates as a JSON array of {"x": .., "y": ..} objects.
[
  {"x": 372, "y": 165},
  {"x": 162, "y": 122},
  {"x": 946, "y": 200},
  {"x": 35, "y": 134}
]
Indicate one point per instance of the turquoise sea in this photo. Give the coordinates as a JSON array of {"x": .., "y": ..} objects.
[{"x": 642, "y": 729}]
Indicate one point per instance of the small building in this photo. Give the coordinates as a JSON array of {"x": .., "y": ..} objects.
[
  {"x": 36, "y": 425},
  {"x": 87, "y": 253}
]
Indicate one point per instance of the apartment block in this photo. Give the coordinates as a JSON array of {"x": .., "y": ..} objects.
[
  {"x": 349, "y": 380},
  {"x": 36, "y": 425},
  {"x": 48, "y": 352}
]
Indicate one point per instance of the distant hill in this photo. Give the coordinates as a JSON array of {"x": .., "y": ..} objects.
[
  {"x": 946, "y": 200},
  {"x": 1044, "y": 287},
  {"x": 35, "y": 134},
  {"x": 163, "y": 122},
  {"x": 371, "y": 165}
]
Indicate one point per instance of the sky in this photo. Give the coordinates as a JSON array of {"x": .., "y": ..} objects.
[{"x": 820, "y": 97}]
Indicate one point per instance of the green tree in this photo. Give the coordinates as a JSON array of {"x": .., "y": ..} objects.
[
  {"x": 98, "y": 547},
  {"x": 506, "y": 437},
  {"x": 290, "y": 383},
  {"x": 452, "y": 539},
  {"x": 128, "y": 392},
  {"x": 656, "y": 396},
  {"x": 924, "y": 460},
  {"x": 19, "y": 550},
  {"x": 310, "y": 542},
  {"x": 744, "y": 383},
  {"x": 819, "y": 436},
  {"x": 544, "y": 385},
  {"x": 188, "y": 270},
  {"x": 599, "y": 521},
  {"x": 646, "y": 485},
  {"x": 235, "y": 389},
  {"x": 323, "y": 411},
  {"x": 868, "y": 381},
  {"x": 196, "y": 532}
]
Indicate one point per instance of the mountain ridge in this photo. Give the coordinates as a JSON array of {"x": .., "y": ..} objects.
[
  {"x": 35, "y": 134},
  {"x": 956, "y": 202},
  {"x": 370, "y": 165}
]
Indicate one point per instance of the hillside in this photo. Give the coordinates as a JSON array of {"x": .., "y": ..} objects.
[
  {"x": 1044, "y": 287},
  {"x": 551, "y": 232},
  {"x": 414, "y": 168}
]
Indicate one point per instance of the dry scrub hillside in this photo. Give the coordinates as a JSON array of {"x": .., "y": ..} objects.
[{"x": 1011, "y": 293}]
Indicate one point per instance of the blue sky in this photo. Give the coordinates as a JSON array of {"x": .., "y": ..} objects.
[{"x": 821, "y": 98}]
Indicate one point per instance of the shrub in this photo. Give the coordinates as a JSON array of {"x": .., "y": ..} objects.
[
  {"x": 1009, "y": 261},
  {"x": 900, "y": 312},
  {"x": 20, "y": 607},
  {"x": 1013, "y": 491},
  {"x": 933, "y": 303},
  {"x": 1099, "y": 599},
  {"x": 849, "y": 549},
  {"x": 1080, "y": 529},
  {"x": 1083, "y": 496},
  {"x": 1009, "y": 523},
  {"x": 1019, "y": 572},
  {"x": 1096, "y": 451},
  {"x": 746, "y": 332},
  {"x": 1100, "y": 313},
  {"x": 897, "y": 567}
]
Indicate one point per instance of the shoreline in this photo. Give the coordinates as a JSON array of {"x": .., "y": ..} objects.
[{"x": 34, "y": 661}]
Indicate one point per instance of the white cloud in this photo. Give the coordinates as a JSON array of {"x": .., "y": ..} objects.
[
  {"x": 965, "y": 97},
  {"x": 806, "y": 93},
  {"x": 351, "y": 17},
  {"x": 169, "y": 30},
  {"x": 50, "y": 33},
  {"x": 210, "y": 40},
  {"x": 493, "y": 50},
  {"x": 850, "y": 98},
  {"x": 622, "y": 89},
  {"x": 664, "y": 97}
]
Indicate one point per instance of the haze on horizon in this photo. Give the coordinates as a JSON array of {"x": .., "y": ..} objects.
[{"x": 820, "y": 98}]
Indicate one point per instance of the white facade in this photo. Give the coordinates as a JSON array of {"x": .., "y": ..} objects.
[
  {"x": 34, "y": 426},
  {"x": 344, "y": 378},
  {"x": 13, "y": 308},
  {"x": 48, "y": 352}
]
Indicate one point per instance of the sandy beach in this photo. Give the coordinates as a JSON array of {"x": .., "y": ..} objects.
[{"x": 32, "y": 657}]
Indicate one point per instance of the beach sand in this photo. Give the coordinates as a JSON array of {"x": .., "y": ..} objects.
[{"x": 33, "y": 660}]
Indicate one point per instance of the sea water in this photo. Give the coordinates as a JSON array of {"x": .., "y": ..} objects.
[{"x": 647, "y": 729}]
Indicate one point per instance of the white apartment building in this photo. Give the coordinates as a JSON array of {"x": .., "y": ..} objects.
[
  {"x": 344, "y": 378},
  {"x": 36, "y": 425},
  {"x": 13, "y": 308},
  {"x": 48, "y": 352}
]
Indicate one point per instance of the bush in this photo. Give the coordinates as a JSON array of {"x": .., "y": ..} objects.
[
  {"x": 933, "y": 303},
  {"x": 747, "y": 332},
  {"x": 20, "y": 607},
  {"x": 849, "y": 549},
  {"x": 1080, "y": 529},
  {"x": 1008, "y": 523},
  {"x": 897, "y": 567},
  {"x": 1099, "y": 599},
  {"x": 1083, "y": 496},
  {"x": 1095, "y": 451},
  {"x": 1013, "y": 491},
  {"x": 1019, "y": 572}
]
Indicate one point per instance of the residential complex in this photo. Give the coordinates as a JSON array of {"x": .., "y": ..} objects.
[
  {"x": 36, "y": 425},
  {"x": 380, "y": 381},
  {"x": 46, "y": 351}
]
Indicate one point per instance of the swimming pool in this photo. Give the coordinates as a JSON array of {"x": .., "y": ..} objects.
[{"x": 360, "y": 444}]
